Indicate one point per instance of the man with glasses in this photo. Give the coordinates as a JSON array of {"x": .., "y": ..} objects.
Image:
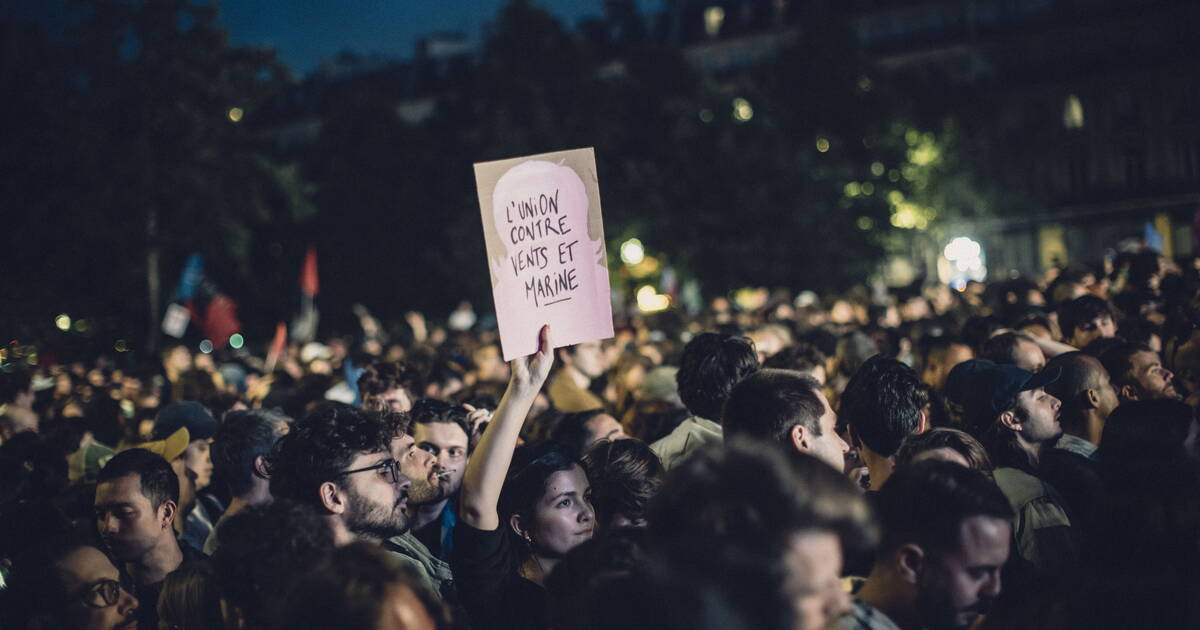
[{"x": 344, "y": 461}]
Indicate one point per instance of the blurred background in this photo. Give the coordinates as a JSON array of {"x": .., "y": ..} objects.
[{"x": 256, "y": 162}]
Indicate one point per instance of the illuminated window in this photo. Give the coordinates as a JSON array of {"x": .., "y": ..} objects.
[
  {"x": 713, "y": 18},
  {"x": 1073, "y": 113}
]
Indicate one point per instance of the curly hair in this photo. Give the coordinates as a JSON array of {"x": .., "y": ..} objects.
[
  {"x": 624, "y": 475},
  {"x": 322, "y": 445},
  {"x": 384, "y": 376}
]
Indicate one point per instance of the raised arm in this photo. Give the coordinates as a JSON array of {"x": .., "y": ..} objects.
[{"x": 489, "y": 463}]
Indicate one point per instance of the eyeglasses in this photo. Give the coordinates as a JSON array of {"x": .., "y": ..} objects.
[
  {"x": 103, "y": 594},
  {"x": 391, "y": 466}
]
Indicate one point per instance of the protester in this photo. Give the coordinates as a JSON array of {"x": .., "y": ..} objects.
[
  {"x": 1009, "y": 411},
  {"x": 520, "y": 512},
  {"x": 1137, "y": 372},
  {"x": 442, "y": 430},
  {"x": 624, "y": 476},
  {"x": 709, "y": 368},
  {"x": 946, "y": 533},
  {"x": 137, "y": 500},
  {"x": 787, "y": 409},
  {"x": 240, "y": 449},
  {"x": 579, "y": 366},
  {"x": 883, "y": 404}
]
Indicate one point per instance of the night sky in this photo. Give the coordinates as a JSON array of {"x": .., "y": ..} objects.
[{"x": 305, "y": 32}]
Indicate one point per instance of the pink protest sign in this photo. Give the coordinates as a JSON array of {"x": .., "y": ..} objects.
[{"x": 545, "y": 248}]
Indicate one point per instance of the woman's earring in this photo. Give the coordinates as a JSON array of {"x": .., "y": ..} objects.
[{"x": 528, "y": 538}]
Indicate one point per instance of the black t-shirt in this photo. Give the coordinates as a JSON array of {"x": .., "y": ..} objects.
[
  {"x": 490, "y": 587},
  {"x": 147, "y": 594}
]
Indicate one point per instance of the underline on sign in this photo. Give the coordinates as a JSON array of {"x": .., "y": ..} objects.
[{"x": 556, "y": 301}]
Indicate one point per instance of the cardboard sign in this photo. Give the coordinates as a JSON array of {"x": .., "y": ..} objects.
[
  {"x": 175, "y": 322},
  {"x": 545, "y": 249}
]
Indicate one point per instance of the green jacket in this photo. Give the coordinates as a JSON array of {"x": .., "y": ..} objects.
[{"x": 690, "y": 435}]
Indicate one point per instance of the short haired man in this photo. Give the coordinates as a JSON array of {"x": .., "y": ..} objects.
[
  {"x": 1138, "y": 373},
  {"x": 580, "y": 364},
  {"x": 346, "y": 462},
  {"x": 1085, "y": 319},
  {"x": 1014, "y": 349},
  {"x": 239, "y": 452},
  {"x": 1009, "y": 411},
  {"x": 773, "y": 529},
  {"x": 580, "y": 431},
  {"x": 137, "y": 495},
  {"x": 441, "y": 431},
  {"x": 201, "y": 426},
  {"x": 712, "y": 363},
  {"x": 883, "y": 403},
  {"x": 946, "y": 533},
  {"x": 387, "y": 386},
  {"x": 1088, "y": 397},
  {"x": 785, "y": 408},
  {"x": 944, "y": 353}
]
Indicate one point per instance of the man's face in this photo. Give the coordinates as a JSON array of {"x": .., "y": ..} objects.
[
  {"x": 447, "y": 443},
  {"x": 1029, "y": 356},
  {"x": 939, "y": 367},
  {"x": 814, "y": 564},
  {"x": 588, "y": 358},
  {"x": 395, "y": 400},
  {"x": 1099, "y": 327},
  {"x": 376, "y": 503},
  {"x": 1153, "y": 380},
  {"x": 829, "y": 446},
  {"x": 129, "y": 525},
  {"x": 605, "y": 427},
  {"x": 84, "y": 574},
  {"x": 1037, "y": 412},
  {"x": 956, "y": 587},
  {"x": 198, "y": 459},
  {"x": 1106, "y": 393},
  {"x": 421, "y": 467}
]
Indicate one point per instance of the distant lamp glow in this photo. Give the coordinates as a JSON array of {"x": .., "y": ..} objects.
[
  {"x": 868, "y": 188},
  {"x": 121, "y": 346},
  {"x": 1073, "y": 113},
  {"x": 864, "y": 84},
  {"x": 236, "y": 341},
  {"x": 82, "y": 326},
  {"x": 865, "y": 223},
  {"x": 632, "y": 252},
  {"x": 852, "y": 189},
  {"x": 966, "y": 260},
  {"x": 706, "y": 116},
  {"x": 650, "y": 301},
  {"x": 63, "y": 322},
  {"x": 235, "y": 114},
  {"x": 206, "y": 347},
  {"x": 822, "y": 144},
  {"x": 877, "y": 169},
  {"x": 742, "y": 112},
  {"x": 713, "y": 18}
]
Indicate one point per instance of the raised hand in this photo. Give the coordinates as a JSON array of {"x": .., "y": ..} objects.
[{"x": 528, "y": 374}]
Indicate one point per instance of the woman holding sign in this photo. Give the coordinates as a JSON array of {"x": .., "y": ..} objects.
[{"x": 520, "y": 511}]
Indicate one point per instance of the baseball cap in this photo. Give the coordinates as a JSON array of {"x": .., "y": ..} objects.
[
  {"x": 984, "y": 389},
  {"x": 168, "y": 448},
  {"x": 198, "y": 420}
]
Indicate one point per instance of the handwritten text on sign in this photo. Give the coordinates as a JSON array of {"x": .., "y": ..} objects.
[{"x": 546, "y": 248}]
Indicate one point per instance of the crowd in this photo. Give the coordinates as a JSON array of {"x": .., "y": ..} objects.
[{"x": 1014, "y": 455}]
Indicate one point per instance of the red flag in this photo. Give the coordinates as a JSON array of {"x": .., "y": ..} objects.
[
  {"x": 220, "y": 320},
  {"x": 308, "y": 273}
]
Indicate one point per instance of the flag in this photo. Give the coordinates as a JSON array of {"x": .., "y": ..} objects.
[
  {"x": 189, "y": 280},
  {"x": 1153, "y": 240},
  {"x": 278, "y": 347},
  {"x": 309, "y": 283},
  {"x": 220, "y": 320},
  {"x": 304, "y": 325}
]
